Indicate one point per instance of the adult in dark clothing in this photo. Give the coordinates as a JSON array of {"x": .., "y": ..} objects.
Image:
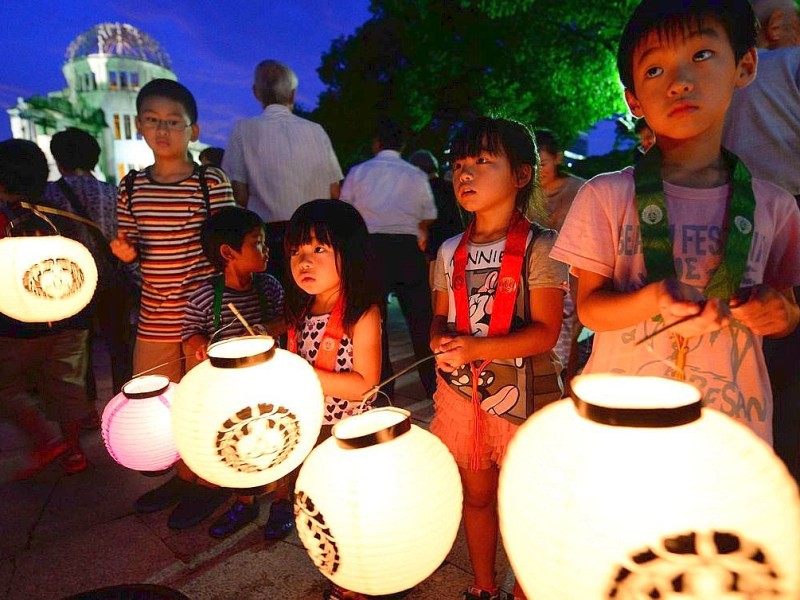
[
  {"x": 449, "y": 221},
  {"x": 396, "y": 201}
]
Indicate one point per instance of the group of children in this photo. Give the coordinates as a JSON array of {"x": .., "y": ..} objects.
[{"x": 686, "y": 233}]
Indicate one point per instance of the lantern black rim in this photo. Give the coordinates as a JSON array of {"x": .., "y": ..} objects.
[
  {"x": 238, "y": 362},
  {"x": 658, "y": 417},
  {"x": 149, "y": 393},
  {"x": 387, "y": 434}
]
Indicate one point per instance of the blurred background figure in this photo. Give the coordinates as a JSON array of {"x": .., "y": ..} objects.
[
  {"x": 76, "y": 154},
  {"x": 212, "y": 156},
  {"x": 763, "y": 129},
  {"x": 560, "y": 188},
  {"x": 449, "y": 221}
]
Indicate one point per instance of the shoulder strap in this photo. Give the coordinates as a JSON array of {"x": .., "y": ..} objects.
[
  {"x": 201, "y": 175},
  {"x": 129, "y": 181},
  {"x": 219, "y": 289}
]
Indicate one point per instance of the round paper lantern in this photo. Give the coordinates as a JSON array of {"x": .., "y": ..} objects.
[
  {"x": 633, "y": 491},
  {"x": 378, "y": 505},
  {"x": 249, "y": 414},
  {"x": 45, "y": 278},
  {"x": 137, "y": 427}
]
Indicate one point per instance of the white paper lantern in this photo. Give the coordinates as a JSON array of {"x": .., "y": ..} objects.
[
  {"x": 633, "y": 491},
  {"x": 45, "y": 278},
  {"x": 378, "y": 505},
  {"x": 137, "y": 426},
  {"x": 249, "y": 414}
]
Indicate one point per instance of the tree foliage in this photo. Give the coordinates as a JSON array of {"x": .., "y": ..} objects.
[{"x": 433, "y": 63}]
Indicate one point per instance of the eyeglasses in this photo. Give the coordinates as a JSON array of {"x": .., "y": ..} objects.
[{"x": 168, "y": 124}]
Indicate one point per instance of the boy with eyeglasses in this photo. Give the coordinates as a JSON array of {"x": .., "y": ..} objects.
[{"x": 160, "y": 211}]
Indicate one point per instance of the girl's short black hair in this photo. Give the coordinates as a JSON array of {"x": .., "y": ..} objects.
[
  {"x": 501, "y": 136},
  {"x": 172, "y": 90},
  {"x": 675, "y": 18},
  {"x": 340, "y": 226},
  {"x": 227, "y": 226}
]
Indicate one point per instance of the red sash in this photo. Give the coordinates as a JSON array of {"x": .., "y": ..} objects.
[
  {"x": 331, "y": 338},
  {"x": 505, "y": 298}
]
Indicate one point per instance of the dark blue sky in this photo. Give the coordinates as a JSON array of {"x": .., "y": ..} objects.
[{"x": 214, "y": 46}]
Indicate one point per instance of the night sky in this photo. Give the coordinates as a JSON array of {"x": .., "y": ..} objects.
[{"x": 214, "y": 46}]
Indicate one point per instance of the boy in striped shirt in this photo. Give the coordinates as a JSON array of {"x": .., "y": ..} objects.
[
  {"x": 160, "y": 221},
  {"x": 160, "y": 213}
]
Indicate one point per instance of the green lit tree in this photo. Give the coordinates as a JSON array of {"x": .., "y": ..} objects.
[{"x": 433, "y": 63}]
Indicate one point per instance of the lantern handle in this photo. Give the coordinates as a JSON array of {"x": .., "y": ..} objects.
[
  {"x": 38, "y": 210},
  {"x": 34, "y": 208},
  {"x": 377, "y": 388},
  {"x": 239, "y": 316}
]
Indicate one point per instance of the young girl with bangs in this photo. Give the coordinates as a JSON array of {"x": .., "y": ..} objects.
[
  {"x": 332, "y": 311},
  {"x": 498, "y": 301}
]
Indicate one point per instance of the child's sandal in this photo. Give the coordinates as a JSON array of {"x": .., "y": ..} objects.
[{"x": 74, "y": 461}]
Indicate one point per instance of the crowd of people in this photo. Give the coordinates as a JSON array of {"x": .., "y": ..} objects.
[{"x": 501, "y": 274}]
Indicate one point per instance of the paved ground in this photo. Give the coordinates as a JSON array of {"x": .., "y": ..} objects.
[{"x": 61, "y": 535}]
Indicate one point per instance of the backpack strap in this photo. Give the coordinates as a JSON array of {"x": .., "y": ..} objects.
[
  {"x": 219, "y": 289},
  {"x": 201, "y": 175},
  {"x": 129, "y": 181}
]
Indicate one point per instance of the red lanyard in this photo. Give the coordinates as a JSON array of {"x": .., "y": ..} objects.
[
  {"x": 505, "y": 296},
  {"x": 331, "y": 339}
]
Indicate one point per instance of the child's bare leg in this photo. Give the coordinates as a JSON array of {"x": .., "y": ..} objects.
[{"x": 480, "y": 523}]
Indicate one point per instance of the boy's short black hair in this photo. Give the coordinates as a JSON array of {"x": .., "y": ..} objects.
[
  {"x": 23, "y": 169},
  {"x": 389, "y": 134},
  {"x": 74, "y": 149},
  {"x": 501, "y": 136},
  {"x": 172, "y": 90},
  {"x": 227, "y": 226},
  {"x": 669, "y": 18}
]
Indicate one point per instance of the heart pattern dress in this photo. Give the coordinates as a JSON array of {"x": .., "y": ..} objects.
[{"x": 309, "y": 338}]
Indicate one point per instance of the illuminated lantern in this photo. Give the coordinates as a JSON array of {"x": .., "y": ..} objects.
[
  {"x": 137, "y": 427},
  {"x": 45, "y": 278},
  {"x": 633, "y": 492},
  {"x": 378, "y": 505},
  {"x": 249, "y": 414}
]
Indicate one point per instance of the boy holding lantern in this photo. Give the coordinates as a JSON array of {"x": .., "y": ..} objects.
[{"x": 234, "y": 242}]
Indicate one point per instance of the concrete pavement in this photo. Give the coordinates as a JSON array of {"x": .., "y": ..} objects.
[{"x": 61, "y": 535}]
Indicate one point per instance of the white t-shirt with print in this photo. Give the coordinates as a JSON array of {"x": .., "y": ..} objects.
[{"x": 601, "y": 235}]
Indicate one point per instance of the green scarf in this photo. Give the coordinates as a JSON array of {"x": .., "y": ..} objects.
[{"x": 654, "y": 225}]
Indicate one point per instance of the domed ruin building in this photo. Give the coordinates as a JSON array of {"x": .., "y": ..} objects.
[{"x": 105, "y": 67}]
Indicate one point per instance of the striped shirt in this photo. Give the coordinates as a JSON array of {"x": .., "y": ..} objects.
[
  {"x": 285, "y": 161},
  {"x": 164, "y": 221},
  {"x": 260, "y": 304}
]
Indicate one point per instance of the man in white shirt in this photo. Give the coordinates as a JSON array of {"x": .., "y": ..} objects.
[
  {"x": 396, "y": 201},
  {"x": 277, "y": 160}
]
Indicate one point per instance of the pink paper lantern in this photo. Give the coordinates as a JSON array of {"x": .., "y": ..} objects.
[{"x": 137, "y": 425}]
